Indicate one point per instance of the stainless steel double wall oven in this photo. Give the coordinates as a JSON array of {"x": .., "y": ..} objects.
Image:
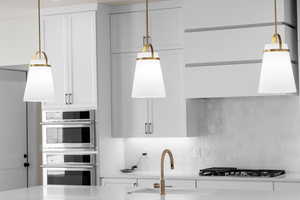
[{"x": 69, "y": 148}]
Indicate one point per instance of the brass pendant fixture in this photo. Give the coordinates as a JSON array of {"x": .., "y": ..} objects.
[
  {"x": 148, "y": 77},
  {"x": 276, "y": 75},
  {"x": 39, "y": 86}
]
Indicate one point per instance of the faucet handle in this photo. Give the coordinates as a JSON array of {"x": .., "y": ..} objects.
[{"x": 157, "y": 185}]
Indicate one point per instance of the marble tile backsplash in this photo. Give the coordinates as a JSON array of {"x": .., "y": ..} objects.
[{"x": 252, "y": 132}]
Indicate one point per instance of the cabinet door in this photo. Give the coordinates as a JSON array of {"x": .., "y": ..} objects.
[
  {"x": 286, "y": 186},
  {"x": 128, "y": 114},
  {"x": 182, "y": 184},
  {"x": 55, "y": 47},
  {"x": 119, "y": 181},
  {"x": 235, "y": 185},
  {"x": 169, "y": 113},
  {"x": 84, "y": 61}
]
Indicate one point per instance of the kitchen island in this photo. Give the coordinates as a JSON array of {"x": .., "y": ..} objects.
[{"x": 123, "y": 193}]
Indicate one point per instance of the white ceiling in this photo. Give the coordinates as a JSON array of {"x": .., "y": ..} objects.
[{"x": 14, "y": 8}]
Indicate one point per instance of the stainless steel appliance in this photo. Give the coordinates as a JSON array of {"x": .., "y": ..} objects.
[
  {"x": 69, "y": 158},
  {"x": 64, "y": 130},
  {"x": 69, "y": 148},
  {"x": 84, "y": 175}
]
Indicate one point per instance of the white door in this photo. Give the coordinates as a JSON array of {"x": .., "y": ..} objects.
[
  {"x": 55, "y": 45},
  {"x": 84, "y": 61},
  {"x": 13, "y": 174}
]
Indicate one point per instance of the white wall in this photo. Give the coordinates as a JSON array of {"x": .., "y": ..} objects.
[{"x": 18, "y": 40}]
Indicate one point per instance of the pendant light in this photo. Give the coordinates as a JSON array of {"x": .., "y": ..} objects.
[
  {"x": 148, "y": 79},
  {"x": 39, "y": 86},
  {"x": 276, "y": 75}
]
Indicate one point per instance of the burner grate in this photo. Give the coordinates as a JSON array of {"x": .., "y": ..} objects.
[{"x": 230, "y": 171}]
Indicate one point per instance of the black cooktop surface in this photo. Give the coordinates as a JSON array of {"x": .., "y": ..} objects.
[{"x": 230, "y": 171}]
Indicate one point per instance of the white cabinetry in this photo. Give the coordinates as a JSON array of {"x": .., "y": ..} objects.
[
  {"x": 223, "y": 44},
  {"x": 119, "y": 181},
  {"x": 70, "y": 42},
  {"x": 127, "y": 29},
  {"x": 235, "y": 185},
  {"x": 286, "y": 186},
  {"x": 170, "y": 183}
]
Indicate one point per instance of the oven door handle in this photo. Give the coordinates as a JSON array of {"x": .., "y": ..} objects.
[
  {"x": 64, "y": 167},
  {"x": 68, "y": 123}
]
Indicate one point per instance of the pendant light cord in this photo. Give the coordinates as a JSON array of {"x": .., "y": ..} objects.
[
  {"x": 275, "y": 15},
  {"x": 147, "y": 22},
  {"x": 39, "y": 26}
]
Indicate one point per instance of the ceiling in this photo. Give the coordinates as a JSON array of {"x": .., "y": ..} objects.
[{"x": 10, "y": 9}]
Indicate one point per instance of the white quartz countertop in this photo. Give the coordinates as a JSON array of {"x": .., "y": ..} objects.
[
  {"x": 121, "y": 193},
  {"x": 289, "y": 177}
]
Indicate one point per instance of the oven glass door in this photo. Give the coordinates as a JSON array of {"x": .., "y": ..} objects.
[
  {"x": 57, "y": 176},
  {"x": 68, "y": 136},
  {"x": 69, "y": 159}
]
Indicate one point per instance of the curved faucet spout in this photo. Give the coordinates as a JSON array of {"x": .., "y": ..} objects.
[{"x": 162, "y": 168}]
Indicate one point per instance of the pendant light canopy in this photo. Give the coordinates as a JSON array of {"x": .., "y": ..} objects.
[
  {"x": 39, "y": 86},
  {"x": 148, "y": 78},
  {"x": 276, "y": 75}
]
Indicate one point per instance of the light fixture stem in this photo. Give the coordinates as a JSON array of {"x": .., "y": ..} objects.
[
  {"x": 275, "y": 15},
  {"x": 147, "y": 22},
  {"x": 39, "y": 25}
]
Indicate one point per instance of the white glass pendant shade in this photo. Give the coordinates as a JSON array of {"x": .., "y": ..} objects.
[
  {"x": 276, "y": 75},
  {"x": 39, "y": 86},
  {"x": 148, "y": 78}
]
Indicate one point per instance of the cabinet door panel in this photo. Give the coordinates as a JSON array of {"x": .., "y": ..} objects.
[
  {"x": 55, "y": 47},
  {"x": 235, "y": 185},
  {"x": 223, "y": 80},
  {"x": 184, "y": 184},
  {"x": 128, "y": 29},
  {"x": 212, "y": 13},
  {"x": 286, "y": 187},
  {"x": 84, "y": 66},
  {"x": 128, "y": 114},
  {"x": 169, "y": 113},
  {"x": 233, "y": 45}
]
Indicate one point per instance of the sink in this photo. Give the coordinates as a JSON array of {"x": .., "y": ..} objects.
[{"x": 156, "y": 191}]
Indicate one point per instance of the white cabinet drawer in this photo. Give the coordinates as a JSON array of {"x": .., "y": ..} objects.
[
  {"x": 148, "y": 183},
  {"x": 212, "y": 13},
  {"x": 286, "y": 187},
  {"x": 235, "y": 185},
  {"x": 119, "y": 181},
  {"x": 233, "y": 44}
]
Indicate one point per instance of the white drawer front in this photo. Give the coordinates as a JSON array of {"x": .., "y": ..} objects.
[
  {"x": 186, "y": 184},
  {"x": 233, "y": 44},
  {"x": 235, "y": 185},
  {"x": 286, "y": 187},
  {"x": 212, "y": 13},
  {"x": 116, "y": 181}
]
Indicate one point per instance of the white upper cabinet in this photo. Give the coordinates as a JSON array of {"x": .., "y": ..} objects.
[
  {"x": 215, "y": 13},
  {"x": 128, "y": 28},
  {"x": 84, "y": 60},
  {"x": 55, "y": 47},
  {"x": 70, "y": 42},
  {"x": 224, "y": 43},
  {"x": 129, "y": 115}
]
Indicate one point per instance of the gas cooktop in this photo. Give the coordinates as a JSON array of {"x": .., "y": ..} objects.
[{"x": 227, "y": 171}]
